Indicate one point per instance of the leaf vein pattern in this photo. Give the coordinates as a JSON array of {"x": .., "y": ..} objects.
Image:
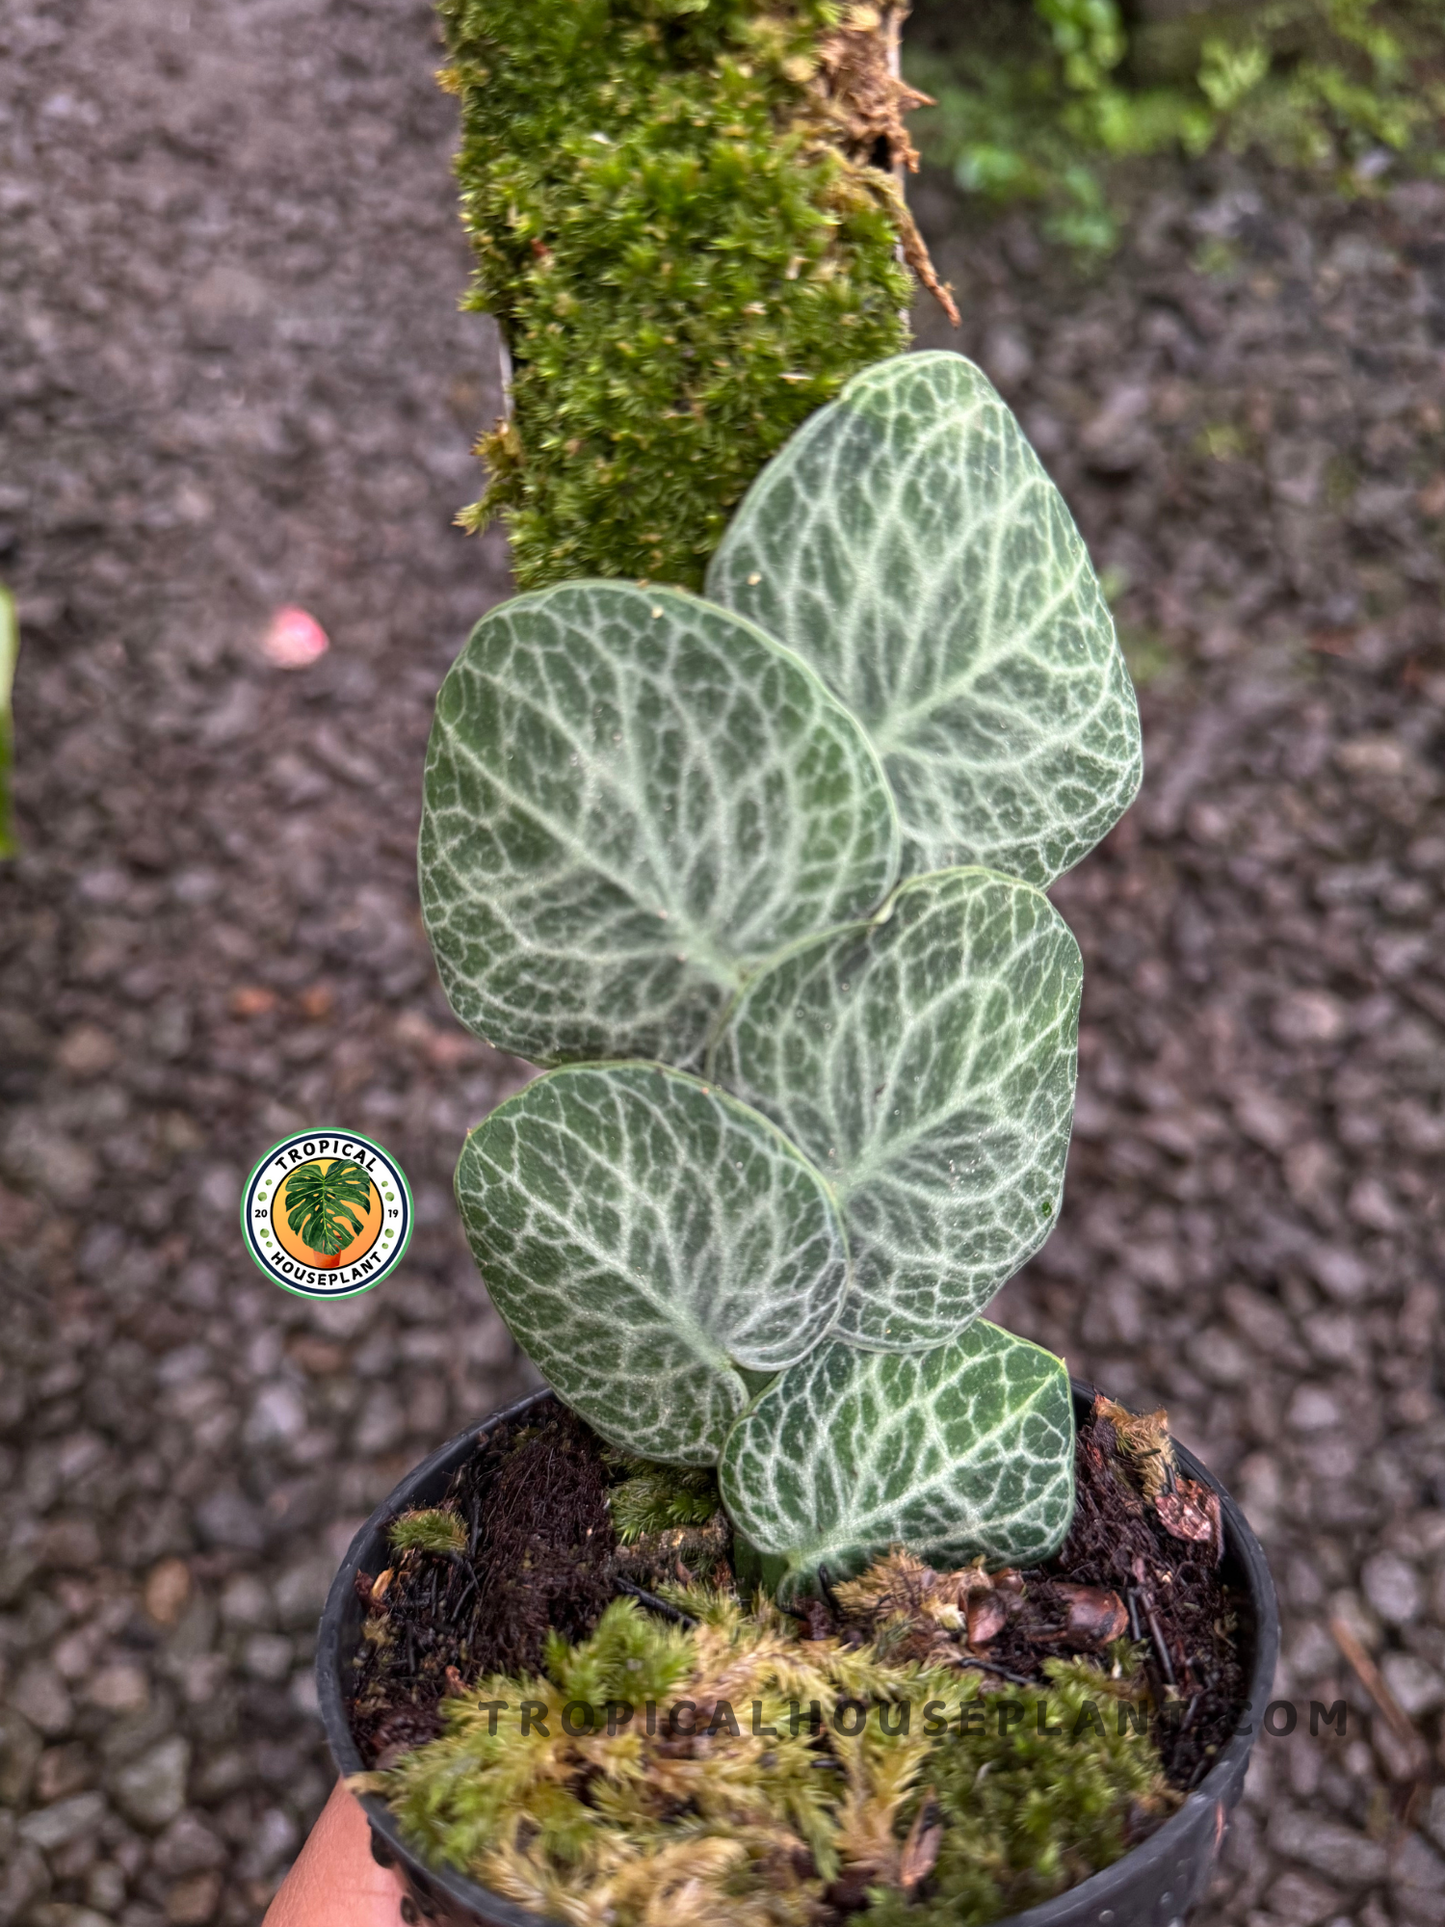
[{"x": 909, "y": 544}]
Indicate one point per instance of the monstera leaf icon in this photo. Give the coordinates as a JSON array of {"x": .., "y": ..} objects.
[{"x": 319, "y": 1201}]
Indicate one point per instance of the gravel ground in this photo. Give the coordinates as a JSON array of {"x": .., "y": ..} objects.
[
  {"x": 235, "y": 378},
  {"x": 1245, "y": 415}
]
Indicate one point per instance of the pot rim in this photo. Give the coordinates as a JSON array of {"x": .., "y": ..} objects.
[{"x": 1103, "y": 1892}]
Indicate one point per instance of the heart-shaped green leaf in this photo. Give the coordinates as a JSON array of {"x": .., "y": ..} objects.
[
  {"x": 631, "y": 796},
  {"x": 909, "y": 545},
  {"x": 925, "y": 1063},
  {"x": 645, "y": 1236},
  {"x": 964, "y": 1451}
]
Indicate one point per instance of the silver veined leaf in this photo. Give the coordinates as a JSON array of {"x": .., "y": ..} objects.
[
  {"x": 908, "y": 543},
  {"x": 631, "y": 797},
  {"x": 648, "y": 1239},
  {"x": 925, "y": 1063},
  {"x": 963, "y": 1452}
]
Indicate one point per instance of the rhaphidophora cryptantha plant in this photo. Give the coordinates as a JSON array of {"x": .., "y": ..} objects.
[{"x": 764, "y": 876}]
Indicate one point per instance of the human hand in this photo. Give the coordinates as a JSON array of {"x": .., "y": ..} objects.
[{"x": 334, "y": 1881}]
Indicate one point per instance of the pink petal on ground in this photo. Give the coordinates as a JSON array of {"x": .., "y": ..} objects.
[{"x": 293, "y": 639}]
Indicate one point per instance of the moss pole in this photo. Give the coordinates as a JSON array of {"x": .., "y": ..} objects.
[{"x": 685, "y": 220}]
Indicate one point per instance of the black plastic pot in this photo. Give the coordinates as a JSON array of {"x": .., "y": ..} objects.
[{"x": 1154, "y": 1886}]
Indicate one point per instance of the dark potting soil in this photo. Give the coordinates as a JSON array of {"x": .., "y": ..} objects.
[
  {"x": 1178, "y": 1605},
  {"x": 542, "y": 1554}
]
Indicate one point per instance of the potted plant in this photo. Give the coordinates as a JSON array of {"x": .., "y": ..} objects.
[{"x": 761, "y": 875}]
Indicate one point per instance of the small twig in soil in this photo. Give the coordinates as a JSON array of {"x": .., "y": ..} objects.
[
  {"x": 654, "y": 1604},
  {"x": 1133, "y": 1601},
  {"x": 1165, "y": 1664},
  {"x": 990, "y": 1666},
  {"x": 452, "y": 1607}
]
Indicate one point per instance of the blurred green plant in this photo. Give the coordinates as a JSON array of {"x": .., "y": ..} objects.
[
  {"x": 9, "y": 650},
  {"x": 1035, "y": 103}
]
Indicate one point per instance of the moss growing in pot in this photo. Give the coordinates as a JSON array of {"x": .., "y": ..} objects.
[
  {"x": 685, "y": 222},
  {"x": 660, "y": 1498},
  {"x": 729, "y": 1774},
  {"x": 1021, "y": 1816},
  {"x": 435, "y": 1530}
]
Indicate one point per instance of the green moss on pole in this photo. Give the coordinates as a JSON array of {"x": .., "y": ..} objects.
[{"x": 686, "y": 224}]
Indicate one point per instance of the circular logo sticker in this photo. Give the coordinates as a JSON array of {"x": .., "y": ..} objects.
[{"x": 326, "y": 1214}]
